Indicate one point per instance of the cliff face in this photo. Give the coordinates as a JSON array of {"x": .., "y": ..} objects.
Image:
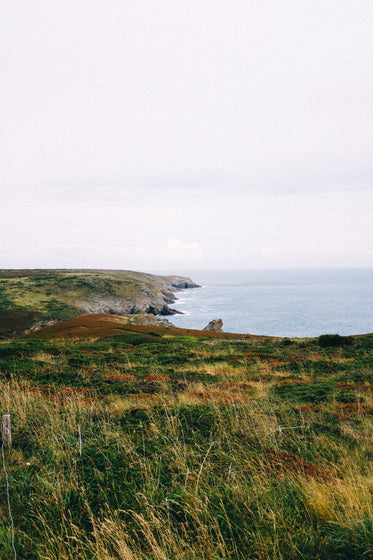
[
  {"x": 45, "y": 295},
  {"x": 150, "y": 293}
]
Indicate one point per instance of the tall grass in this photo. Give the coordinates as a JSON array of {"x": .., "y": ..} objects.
[{"x": 179, "y": 476}]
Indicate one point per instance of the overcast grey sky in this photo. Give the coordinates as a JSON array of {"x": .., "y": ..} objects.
[{"x": 173, "y": 135}]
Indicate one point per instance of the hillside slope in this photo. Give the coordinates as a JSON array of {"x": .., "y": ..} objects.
[{"x": 30, "y": 298}]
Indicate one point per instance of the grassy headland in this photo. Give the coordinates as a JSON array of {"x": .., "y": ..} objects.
[
  {"x": 155, "y": 443},
  {"x": 33, "y": 298}
]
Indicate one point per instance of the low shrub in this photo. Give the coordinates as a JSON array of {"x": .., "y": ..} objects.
[{"x": 334, "y": 340}]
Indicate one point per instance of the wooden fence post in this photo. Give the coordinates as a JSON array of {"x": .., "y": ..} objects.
[{"x": 7, "y": 432}]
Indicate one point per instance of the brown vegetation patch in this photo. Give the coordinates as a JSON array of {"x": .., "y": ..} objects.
[
  {"x": 278, "y": 362},
  {"x": 121, "y": 377},
  {"x": 346, "y": 386},
  {"x": 283, "y": 463},
  {"x": 365, "y": 388},
  {"x": 307, "y": 408},
  {"x": 86, "y": 326},
  {"x": 100, "y": 325},
  {"x": 345, "y": 411},
  {"x": 90, "y": 368},
  {"x": 156, "y": 378},
  {"x": 61, "y": 393}
]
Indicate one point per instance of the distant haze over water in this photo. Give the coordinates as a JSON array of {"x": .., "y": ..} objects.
[{"x": 295, "y": 303}]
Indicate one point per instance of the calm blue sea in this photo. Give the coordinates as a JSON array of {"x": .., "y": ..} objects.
[{"x": 296, "y": 303}]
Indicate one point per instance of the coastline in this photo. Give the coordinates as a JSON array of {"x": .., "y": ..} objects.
[{"x": 304, "y": 303}]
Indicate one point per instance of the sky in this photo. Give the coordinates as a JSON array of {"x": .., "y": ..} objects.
[{"x": 170, "y": 135}]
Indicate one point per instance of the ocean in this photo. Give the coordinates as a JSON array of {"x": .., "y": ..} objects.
[{"x": 293, "y": 303}]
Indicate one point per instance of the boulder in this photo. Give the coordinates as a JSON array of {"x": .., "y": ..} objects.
[{"x": 214, "y": 325}]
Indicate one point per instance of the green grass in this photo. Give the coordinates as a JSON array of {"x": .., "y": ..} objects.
[{"x": 192, "y": 448}]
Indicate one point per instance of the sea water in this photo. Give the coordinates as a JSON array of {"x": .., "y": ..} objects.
[{"x": 294, "y": 303}]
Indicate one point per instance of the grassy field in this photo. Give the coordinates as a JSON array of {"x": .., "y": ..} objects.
[{"x": 158, "y": 443}]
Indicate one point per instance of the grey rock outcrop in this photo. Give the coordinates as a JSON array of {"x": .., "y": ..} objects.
[
  {"x": 215, "y": 325},
  {"x": 151, "y": 298},
  {"x": 154, "y": 304}
]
